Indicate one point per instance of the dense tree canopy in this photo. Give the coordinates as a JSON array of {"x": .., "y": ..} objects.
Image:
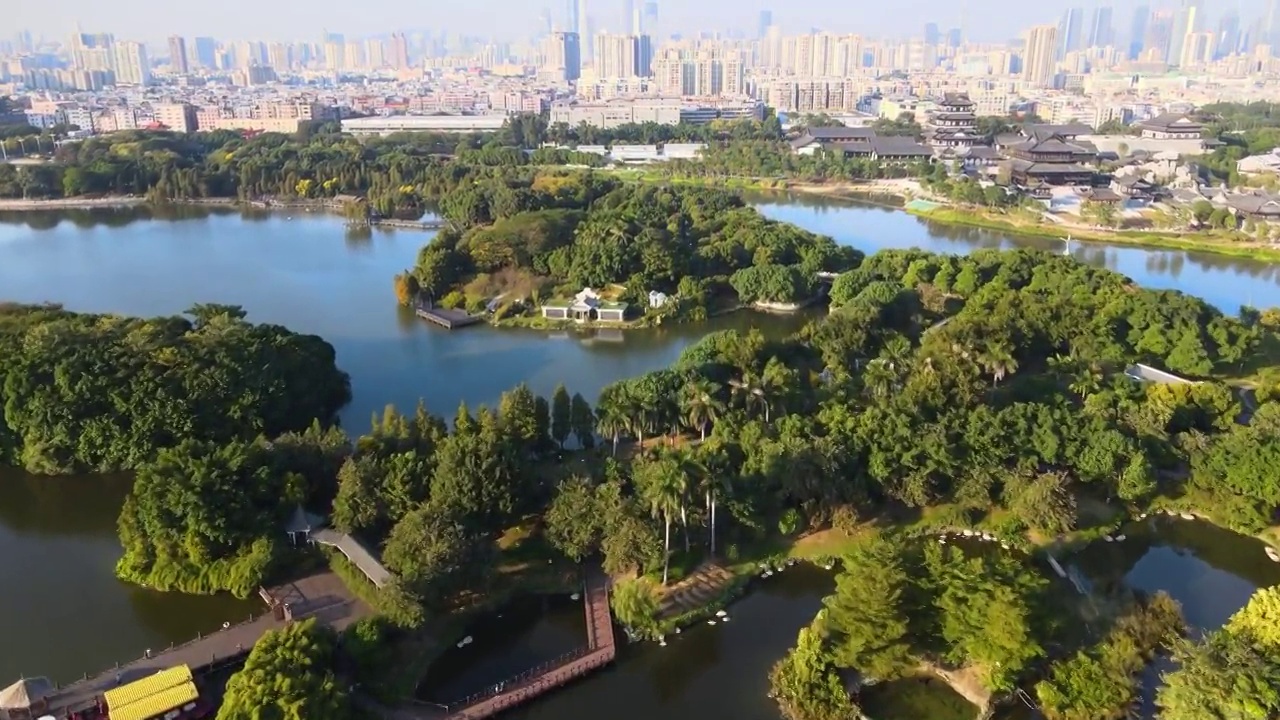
[
  {"x": 531, "y": 234},
  {"x": 289, "y": 676},
  {"x": 103, "y": 393}
]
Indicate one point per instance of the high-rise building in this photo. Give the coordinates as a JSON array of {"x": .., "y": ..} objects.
[
  {"x": 334, "y": 55},
  {"x": 650, "y": 17},
  {"x": 375, "y": 53},
  {"x": 1159, "y": 37},
  {"x": 93, "y": 52},
  {"x": 353, "y": 55},
  {"x": 932, "y": 35},
  {"x": 583, "y": 28},
  {"x": 1228, "y": 40},
  {"x": 623, "y": 56},
  {"x": 132, "y": 65},
  {"x": 399, "y": 51},
  {"x": 628, "y": 15},
  {"x": 1038, "y": 58},
  {"x": 280, "y": 56},
  {"x": 178, "y": 55},
  {"x": 562, "y": 55},
  {"x": 206, "y": 53},
  {"x": 955, "y": 37},
  {"x": 1197, "y": 48},
  {"x": 1187, "y": 22},
  {"x": 1100, "y": 28},
  {"x": 1138, "y": 31},
  {"x": 766, "y": 21},
  {"x": 1070, "y": 32},
  {"x": 1271, "y": 26}
]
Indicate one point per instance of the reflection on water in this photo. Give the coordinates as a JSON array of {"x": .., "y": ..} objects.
[
  {"x": 57, "y": 540},
  {"x": 61, "y": 603},
  {"x": 526, "y": 633},
  {"x": 707, "y": 672},
  {"x": 1224, "y": 281},
  {"x": 1210, "y": 571}
]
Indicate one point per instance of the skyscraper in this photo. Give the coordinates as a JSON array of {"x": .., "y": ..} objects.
[
  {"x": 93, "y": 51},
  {"x": 1100, "y": 28},
  {"x": 616, "y": 55},
  {"x": 766, "y": 21},
  {"x": 178, "y": 55},
  {"x": 932, "y": 35},
  {"x": 628, "y": 12},
  {"x": 132, "y": 65},
  {"x": 1038, "y": 61},
  {"x": 1228, "y": 40},
  {"x": 571, "y": 18},
  {"x": 1138, "y": 31},
  {"x": 1271, "y": 27},
  {"x": 207, "y": 52},
  {"x": 562, "y": 55},
  {"x": 1159, "y": 37},
  {"x": 1187, "y": 22},
  {"x": 1070, "y": 35},
  {"x": 584, "y": 29},
  {"x": 399, "y": 51}
]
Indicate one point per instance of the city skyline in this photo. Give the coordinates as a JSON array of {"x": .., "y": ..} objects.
[{"x": 153, "y": 22}]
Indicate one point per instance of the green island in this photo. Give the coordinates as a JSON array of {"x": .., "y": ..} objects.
[
  {"x": 550, "y": 247},
  {"x": 1019, "y": 395},
  {"x": 940, "y": 394}
]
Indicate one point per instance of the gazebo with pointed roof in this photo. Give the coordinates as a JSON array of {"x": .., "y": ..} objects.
[
  {"x": 25, "y": 698},
  {"x": 302, "y": 523}
]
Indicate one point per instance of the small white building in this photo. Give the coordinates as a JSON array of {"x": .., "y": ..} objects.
[
  {"x": 586, "y": 306},
  {"x": 657, "y": 299}
]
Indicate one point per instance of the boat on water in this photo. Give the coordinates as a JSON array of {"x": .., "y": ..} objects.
[{"x": 1273, "y": 554}]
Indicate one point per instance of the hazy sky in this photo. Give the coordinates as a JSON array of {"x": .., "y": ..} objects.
[{"x": 152, "y": 20}]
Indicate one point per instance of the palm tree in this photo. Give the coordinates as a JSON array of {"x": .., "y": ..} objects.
[
  {"x": 662, "y": 487},
  {"x": 897, "y": 352},
  {"x": 611, "y": 423},
  {"x": 690, "y": 471},
  {"x": 714, "y": 483},
  {"x": 878, "y": 378},
  {"x": 701, "y": 404},
  {"x": 1087, "y": 380},
  {"x": 754, "y": 390},
  {"x": 998, "y": 360},
  {"x": 611, "y": 417}
]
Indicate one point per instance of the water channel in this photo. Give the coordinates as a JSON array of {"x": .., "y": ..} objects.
[{"x": 57, "y": 540}]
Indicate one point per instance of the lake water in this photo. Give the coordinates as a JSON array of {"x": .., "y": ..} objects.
[{"x": 61, "y": 608}]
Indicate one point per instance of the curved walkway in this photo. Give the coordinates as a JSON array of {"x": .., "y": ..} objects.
[
  {"x": 599, "y": 651},
  {"x": 357, "y": 553}
]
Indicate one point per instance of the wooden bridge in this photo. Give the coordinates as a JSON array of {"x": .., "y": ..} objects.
[
  {"x": 321, "y": 596},
  {"x": 599, "y": 651},
  {"x": 356, "y": 552}
]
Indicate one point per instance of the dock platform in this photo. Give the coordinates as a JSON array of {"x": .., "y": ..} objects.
[
  {"x": 448, "y": 319},
  {"x": 321, "y": 596}
]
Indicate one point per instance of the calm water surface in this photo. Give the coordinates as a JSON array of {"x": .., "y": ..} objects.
[
  {"x": 64, "y": 610},
  {"x": 1225, "y": 282}
]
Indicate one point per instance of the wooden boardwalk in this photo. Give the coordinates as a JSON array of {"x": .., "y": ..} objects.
[
  {"x": 599, "y": 651},
  {"x": 321, "y": 596},
  {"x": 356, "y": 552}
]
